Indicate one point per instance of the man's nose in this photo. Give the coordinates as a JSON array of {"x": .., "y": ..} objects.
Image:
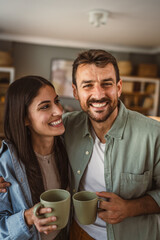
[{"x": 98, "y": 92}]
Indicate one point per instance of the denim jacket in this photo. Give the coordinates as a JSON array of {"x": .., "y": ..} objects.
[{"x": 17, "y": 198}]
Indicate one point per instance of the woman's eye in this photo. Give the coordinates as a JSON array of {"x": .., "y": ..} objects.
[
  {"x": 57, "y": 101},
  {"x": 45, "y": 106}
]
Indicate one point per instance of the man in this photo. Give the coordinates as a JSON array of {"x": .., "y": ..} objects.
[{"x": 114, "y": 152}]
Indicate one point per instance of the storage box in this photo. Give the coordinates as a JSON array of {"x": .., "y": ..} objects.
[
  {"x": 148, "y": 70},
  {"x": 125, "y": 68}
]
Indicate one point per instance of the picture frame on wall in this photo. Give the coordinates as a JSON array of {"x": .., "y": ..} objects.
[{"x": 61, "y": 77}]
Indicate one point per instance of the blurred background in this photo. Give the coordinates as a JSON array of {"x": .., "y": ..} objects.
[{"x": 40, "y": 37}]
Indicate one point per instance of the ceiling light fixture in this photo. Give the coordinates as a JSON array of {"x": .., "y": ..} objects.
[{"x": 98, "y": 17}]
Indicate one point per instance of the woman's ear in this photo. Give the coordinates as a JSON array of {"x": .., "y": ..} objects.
[
  {"x": 26, "y": 121},
  {"x": 75, "y": 94}
]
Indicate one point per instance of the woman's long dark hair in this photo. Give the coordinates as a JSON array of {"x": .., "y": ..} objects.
[{"x": 19, "y": 96}]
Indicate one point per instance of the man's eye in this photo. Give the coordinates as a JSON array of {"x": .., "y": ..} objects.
[
  {"x": 107, "y": 84},
  {"x": 87, "y": 86}
]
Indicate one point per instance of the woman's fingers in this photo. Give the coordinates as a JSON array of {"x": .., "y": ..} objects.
[{"x": 41, "y": 224}]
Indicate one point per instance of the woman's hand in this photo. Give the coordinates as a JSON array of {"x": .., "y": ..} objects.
[
  {"x": 3, "y": 185},
  {"x": 40, "y": 223}
]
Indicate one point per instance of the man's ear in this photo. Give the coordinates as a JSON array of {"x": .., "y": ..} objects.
[
  {"x": 75, "y": 94},
  {"x": 119, "y": 87}
]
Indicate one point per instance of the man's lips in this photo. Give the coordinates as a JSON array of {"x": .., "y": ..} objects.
[
  {"x": 98, "y": 105},
  {"x": 101, "y": 103}
]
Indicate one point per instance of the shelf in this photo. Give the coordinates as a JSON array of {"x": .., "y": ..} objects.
[
  {"x": 9, "y": 77},
  {"x": 141, "y": 94},
  {"x": 139, "y": 109}
]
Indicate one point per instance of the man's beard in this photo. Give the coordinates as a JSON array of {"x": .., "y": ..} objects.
[{"x": 110, "y": 109}]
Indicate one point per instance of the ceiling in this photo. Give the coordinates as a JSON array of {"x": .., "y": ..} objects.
[{"x": 131, "y": 26}]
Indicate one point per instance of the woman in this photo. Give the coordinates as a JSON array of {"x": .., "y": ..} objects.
[{"x": 32, "y": 158}]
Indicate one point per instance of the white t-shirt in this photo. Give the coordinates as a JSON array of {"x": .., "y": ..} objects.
[
  {"x": 93, "y": 180},
  {"x": 50, "y": 180}
]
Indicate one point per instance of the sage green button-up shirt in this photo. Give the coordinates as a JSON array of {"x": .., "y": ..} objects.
[{"x": 131, "y": 165}]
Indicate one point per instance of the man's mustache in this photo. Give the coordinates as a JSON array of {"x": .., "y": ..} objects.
[{"x": 93, "y": 100}]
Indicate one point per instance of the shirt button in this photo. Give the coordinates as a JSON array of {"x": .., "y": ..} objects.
[
  {"x": 79, "y": 172},
  {"x": 74, "y": 190},
  {"x": 87, "y": 152}
]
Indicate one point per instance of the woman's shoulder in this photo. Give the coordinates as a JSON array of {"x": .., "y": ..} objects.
[{"x": 5, "y": 154}]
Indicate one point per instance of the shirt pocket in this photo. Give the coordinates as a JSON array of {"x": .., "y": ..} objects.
[{"x": 134, "y": 185}]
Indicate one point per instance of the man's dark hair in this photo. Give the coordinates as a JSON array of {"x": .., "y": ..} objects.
[{"x": 98, "y": 57}]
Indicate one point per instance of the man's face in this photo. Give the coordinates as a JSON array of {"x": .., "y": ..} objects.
[{"x": 97, "y": 91}]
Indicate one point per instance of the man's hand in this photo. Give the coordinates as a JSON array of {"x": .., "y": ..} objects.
[
  {"x": 3, "y": 185},
  {"x": 116, "y": 209},
  {"x": 40, "y": 223}
]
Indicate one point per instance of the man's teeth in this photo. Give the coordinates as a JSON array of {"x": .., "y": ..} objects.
[
  {"x": 98, "y": 105},
  {"x": 56, "y": 122}
]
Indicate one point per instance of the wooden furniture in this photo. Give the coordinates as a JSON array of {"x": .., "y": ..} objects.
[
  {"x": 6, "y": 77},
  {"x": 141, "y": 94}
]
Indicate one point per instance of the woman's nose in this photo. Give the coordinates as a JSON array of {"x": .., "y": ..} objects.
[{"x": 57, "y": 110}]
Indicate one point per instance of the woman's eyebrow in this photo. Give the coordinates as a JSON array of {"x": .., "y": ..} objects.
[{"x": 46, "y": 101}]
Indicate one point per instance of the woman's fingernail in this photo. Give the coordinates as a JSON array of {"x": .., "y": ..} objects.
[
  {"x": 54, "y": 227},
  {"x": 54, "y": 218},
  {"x": 49, "y": 210}
]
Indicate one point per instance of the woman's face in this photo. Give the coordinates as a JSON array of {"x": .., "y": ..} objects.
[{"x": 44, "y": 117}]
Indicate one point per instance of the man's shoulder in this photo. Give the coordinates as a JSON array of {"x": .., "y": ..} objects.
[
  {"x": 144, "y": 122},
  {"x": 75, "y": 116}
]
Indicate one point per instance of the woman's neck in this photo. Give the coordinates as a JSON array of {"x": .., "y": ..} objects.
[{"x": 43, "y": 146}]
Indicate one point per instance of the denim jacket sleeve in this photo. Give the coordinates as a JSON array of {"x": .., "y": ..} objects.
[{"x": 12, "y": 204}]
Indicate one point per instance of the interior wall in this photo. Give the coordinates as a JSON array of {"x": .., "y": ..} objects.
[{"x": 33, "y": 59}]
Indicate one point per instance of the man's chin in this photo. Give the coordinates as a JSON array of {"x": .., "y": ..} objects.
[{"x": 98, "y": 119}]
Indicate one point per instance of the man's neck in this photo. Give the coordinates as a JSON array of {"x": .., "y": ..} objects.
[{"x": 101, "y": 128}]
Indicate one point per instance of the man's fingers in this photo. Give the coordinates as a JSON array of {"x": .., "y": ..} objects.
[{"x": 3, "y": 185}]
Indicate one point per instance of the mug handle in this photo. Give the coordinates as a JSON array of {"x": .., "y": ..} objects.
[
  {"x": 38, "y": 206},
  {"x": 99, "y": 209}
]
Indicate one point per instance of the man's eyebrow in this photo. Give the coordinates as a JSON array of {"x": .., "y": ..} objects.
[
  {"x": 90, "y": 81},
  {"x": 87, "y": 81},
  {"x": 107, "y": 80}
]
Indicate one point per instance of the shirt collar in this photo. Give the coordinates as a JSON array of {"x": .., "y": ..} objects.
[{"x": 118, "y": 126}]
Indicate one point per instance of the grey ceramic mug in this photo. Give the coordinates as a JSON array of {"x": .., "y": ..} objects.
[
  {"x": 85, "y": 206},
  {"x": 59, "y": 201}
]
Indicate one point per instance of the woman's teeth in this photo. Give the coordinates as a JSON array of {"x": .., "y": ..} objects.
[{"x": 56, "y": 122}]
